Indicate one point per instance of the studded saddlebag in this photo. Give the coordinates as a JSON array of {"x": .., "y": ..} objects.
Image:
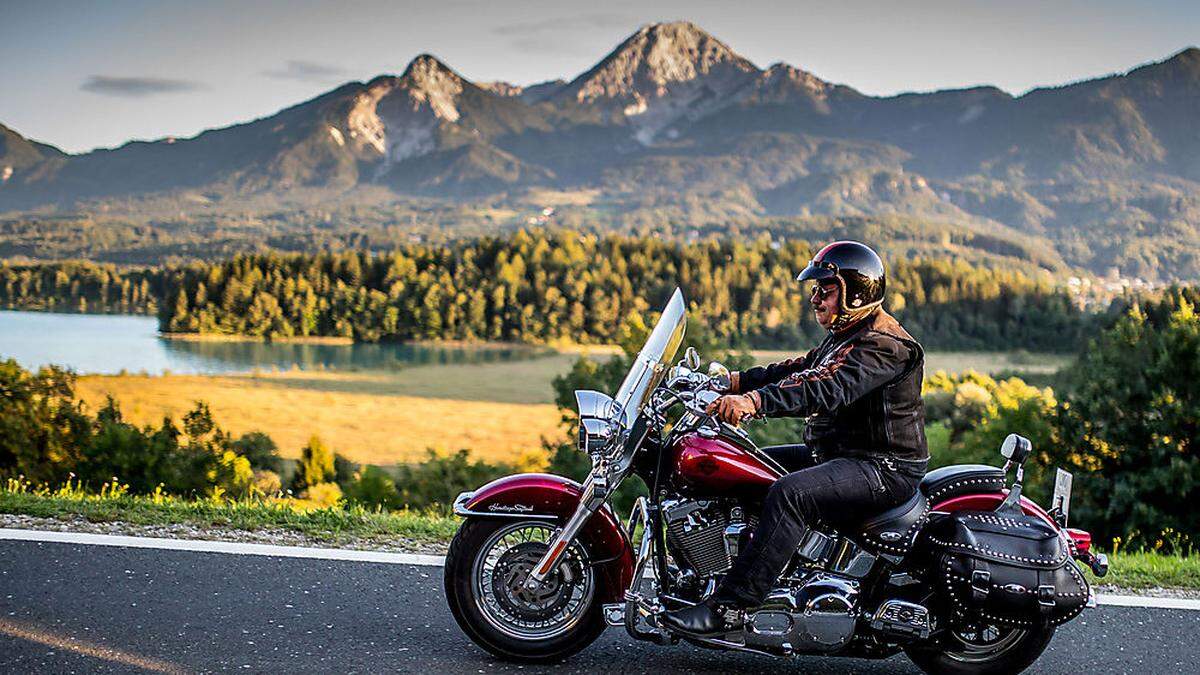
[{"x": 1004, "y": 568}]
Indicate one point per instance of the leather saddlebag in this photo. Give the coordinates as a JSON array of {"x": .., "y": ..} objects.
[{"x": 1004, "y": 568}]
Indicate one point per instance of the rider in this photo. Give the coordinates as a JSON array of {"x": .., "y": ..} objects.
[{"x": 864, "y": 451}]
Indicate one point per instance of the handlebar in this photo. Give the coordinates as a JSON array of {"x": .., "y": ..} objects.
[{"x": 693, "y": 389}]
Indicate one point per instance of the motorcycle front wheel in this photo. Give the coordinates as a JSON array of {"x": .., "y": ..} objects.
[
  {"x": 983, "y": 650},
  {"x": 486, "y": 568}
]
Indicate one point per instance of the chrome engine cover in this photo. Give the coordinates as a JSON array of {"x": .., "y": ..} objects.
[
  {"x": 696, "y": 532},
  {"x": 819, "y": 616}
]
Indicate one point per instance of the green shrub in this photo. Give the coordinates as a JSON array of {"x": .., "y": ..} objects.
[
  {"x": 231, "y": 475},
  {"x": 323, "y": 494},
  {"x": 1130, "y": 426},
  {"x": 373, "y": 487},
  {"x": 260, "y": 450},
  {"x": 266, "y": 483},
  {"x": 42, "y": 425},
  {"x": 141, "y": 459},
  {"x": 441, "y": 477},
  {"x": 316, "y": 465}
]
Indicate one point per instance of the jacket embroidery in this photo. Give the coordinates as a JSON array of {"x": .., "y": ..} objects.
[{"x": 824, "y": 371}]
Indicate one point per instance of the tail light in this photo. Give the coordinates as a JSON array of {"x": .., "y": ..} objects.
[{"x": 1082, "y": 541}]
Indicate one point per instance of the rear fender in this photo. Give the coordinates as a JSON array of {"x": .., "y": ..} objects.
[
  {"x": 989, "y": 501},
  {"x": 543, "y": 496}
]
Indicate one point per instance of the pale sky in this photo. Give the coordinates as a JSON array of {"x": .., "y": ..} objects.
[{"x": 82, "y": 75}]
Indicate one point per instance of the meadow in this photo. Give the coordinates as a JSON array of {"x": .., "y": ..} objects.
[{"x": 499, "y": 411}]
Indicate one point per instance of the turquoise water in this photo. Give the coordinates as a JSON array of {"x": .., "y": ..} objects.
[{"x": 90, "y": 343}]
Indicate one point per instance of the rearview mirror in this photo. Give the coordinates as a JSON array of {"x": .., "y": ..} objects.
[
  {"x": 1016, "y": 449},
  {"x": 692, "y": 358}
]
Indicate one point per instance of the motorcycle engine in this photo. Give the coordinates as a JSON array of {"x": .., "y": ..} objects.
[
  {"x": 705, "y": 535},
  {"x": 819, "y": 616},
  {"x": 696, "y": 533},
  {"x": 815, "y": 615}
]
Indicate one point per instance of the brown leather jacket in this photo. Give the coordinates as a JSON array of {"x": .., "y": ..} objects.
[{"x": 860, "y": 390}]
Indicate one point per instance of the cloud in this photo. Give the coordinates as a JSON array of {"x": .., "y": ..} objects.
[
  {"x": 136, "y": 87},
  {"x": 531, "y": 28},
  {"x": 306, "y": 71}
]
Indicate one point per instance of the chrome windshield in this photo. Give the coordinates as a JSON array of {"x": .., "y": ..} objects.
[{"x": 650, "y": 365}]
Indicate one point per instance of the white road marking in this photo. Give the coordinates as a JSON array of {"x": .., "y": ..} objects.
[
  {"x": 1144, "y": 601},
  {"x": 239, "y": 548}
]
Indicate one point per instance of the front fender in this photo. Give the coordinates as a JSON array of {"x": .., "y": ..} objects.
[{"x": 554, "y": 498}]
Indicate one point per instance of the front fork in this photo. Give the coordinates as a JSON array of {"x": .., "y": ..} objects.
[
  {"x": 595, "y": 493},
  {"x": 638, "y": 612}
]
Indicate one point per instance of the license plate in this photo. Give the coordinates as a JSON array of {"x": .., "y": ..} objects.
[{"x": 1062, "y": 493}]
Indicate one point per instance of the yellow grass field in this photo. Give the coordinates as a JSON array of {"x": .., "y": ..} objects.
[
  {"x": 498, "y": 411},
  {"x": 371, "y": 417}
]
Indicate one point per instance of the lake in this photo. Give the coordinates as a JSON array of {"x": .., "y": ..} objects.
[{"x": 90, "y": 343}]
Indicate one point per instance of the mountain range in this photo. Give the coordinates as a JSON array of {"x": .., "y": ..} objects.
[{"x": 673, "y": 124}]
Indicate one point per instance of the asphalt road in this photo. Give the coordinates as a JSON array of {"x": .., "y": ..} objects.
[{"x": 78, "y": 608}]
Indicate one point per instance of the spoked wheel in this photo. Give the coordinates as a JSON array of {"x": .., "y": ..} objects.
[
  {"x": 486, "y": 569},
  {"x": 983, "y": 649}
]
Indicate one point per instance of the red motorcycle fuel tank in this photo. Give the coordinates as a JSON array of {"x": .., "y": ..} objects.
[{"x": 719, "y": 467}]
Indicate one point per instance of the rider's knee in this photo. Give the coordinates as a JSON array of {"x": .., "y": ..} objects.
[{"x": 790, "y": 495}]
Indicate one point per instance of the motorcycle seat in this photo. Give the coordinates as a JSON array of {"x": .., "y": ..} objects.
[
  {"x": 959, "y": 479},
  {"x": 894, "y": 531}
]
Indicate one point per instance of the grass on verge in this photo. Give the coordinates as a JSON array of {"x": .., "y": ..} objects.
[
  {"x": 332, "y": 525},
  {"x": 1150, "y": 570}
]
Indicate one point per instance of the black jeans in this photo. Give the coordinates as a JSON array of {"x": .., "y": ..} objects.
[{"x": 840, "y": 492}]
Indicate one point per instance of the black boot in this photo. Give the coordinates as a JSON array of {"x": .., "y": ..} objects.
[{"x": 706, "y": 619}]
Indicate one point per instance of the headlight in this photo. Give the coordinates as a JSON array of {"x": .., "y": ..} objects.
[{"x": 594, "y": 434}]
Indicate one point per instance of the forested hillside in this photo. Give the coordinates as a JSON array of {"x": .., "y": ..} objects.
[
  {"x": 80, "y": 287},
  {"x": 548, "y": 286}
]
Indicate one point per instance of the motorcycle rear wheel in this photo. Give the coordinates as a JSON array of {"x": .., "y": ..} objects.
[
  {"x": 983, "y": 650},
  {"x": 486, "y": 566}
]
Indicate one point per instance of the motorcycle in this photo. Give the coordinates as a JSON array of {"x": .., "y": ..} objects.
[{"x": 542, "y": 565}]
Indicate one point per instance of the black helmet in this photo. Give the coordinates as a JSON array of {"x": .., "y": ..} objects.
[{"x": 858, "y": 271}]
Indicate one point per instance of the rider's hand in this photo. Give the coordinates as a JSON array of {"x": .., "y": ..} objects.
[{"x": 733, "y": 408}]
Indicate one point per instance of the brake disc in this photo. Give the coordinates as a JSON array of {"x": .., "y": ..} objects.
[{"x": 537, "y": 604}]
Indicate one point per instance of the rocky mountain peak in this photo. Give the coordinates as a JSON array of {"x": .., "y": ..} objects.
[
  {"x": 427, "y": 71},
  {"x": 653, "y": 58},
  {"x": 1191, "y": 56},
  {"x": 782, "y": 74},
  {"x": 1186, "y": 61},
  {"x": 433, "y": 83}
]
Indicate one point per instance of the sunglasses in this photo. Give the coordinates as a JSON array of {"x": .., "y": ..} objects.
[{"x": 821, "y": 292}]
